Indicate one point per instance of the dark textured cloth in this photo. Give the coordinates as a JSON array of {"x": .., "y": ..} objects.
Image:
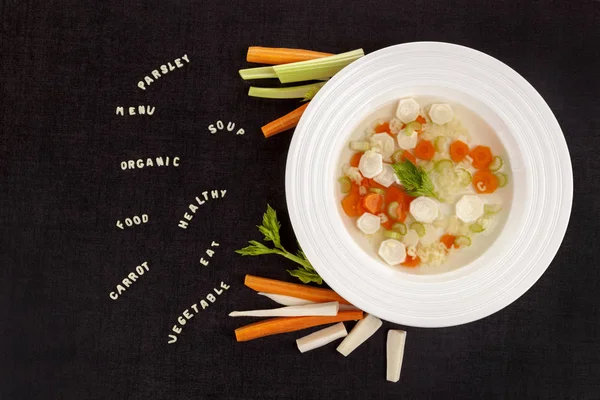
[{"x": 67, "y": 65}]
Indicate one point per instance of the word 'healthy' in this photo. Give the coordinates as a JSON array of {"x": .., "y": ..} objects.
[
  {"x": 214, "y": 194},
  {"x": 131, "y": 278},
  {"x": 163, "y": 70},
  {"x": 187, "y": 315},
  {"x": 141, "y": 163},
  {"x": 219, "y": 126}
]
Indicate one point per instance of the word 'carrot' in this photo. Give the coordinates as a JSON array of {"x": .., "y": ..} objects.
[
  {"x": 288, "y": 121},
  {"x": 318, "y": 295},
  {"x": 275, "y": 56},
  {"x": 276, "y": 326}
]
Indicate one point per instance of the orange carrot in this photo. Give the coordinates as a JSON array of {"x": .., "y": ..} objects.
[
  {"x": 355, "y": 160},
  {"x": 425, "y": 150},
  {"x": 351, "y": 203},
  {"x": 411, "y": 261},
  {"x": 458, "y": 150},
  {"x": 484, "y": 181},
  {"x": 394, "y": 194},
  {"x": 276, "y": 326},
  {"x": 407, "y": 155},
  {"x": 275, "y": 56},
  {"x": 288, "y": 121},
  {"x": 372, "y": 202},
  {"x": 482, "y": 157},
  {"x": 448, "y": 240},
  {"x": 385, "y": 127},
  {"x": 421, "y": 120},
  {"x": 318, "y": 295}
]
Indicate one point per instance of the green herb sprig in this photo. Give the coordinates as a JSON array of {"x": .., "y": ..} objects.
[
  {"x": 270, "y": 229},
  {"x": 414, "y": 179}
]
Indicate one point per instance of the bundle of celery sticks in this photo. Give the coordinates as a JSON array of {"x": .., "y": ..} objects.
[{"x": 290, "y": 66}]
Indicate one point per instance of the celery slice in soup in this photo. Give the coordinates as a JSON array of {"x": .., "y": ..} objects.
[
  {"x": 377, "y": 190},
  {"x": 490, "y": 209},
  {"x": 360, "y": 146},
  {"x": 464, "y": 176},
  {"x": 411, "y": 127},
  {"x": 419, "y": 228},
  {"x": 462, "y": 241},
  {"x": 392, "y": 235},
  {"x": 502, "y": 179},
  {"x": 443, "y": 165},
  {"x": 400, "y": 228},
  {"x": 393, "y": 210},
  {"x": 441, "y": 143},
  {"x": 496, "y": 164},
  {"x": 345, "y": 184}
]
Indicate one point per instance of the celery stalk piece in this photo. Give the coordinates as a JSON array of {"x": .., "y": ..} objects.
[
  {"x": 318, "y": 68},
  {"x": 305, "y": 92},
  {"x": 257, "y": 73}
]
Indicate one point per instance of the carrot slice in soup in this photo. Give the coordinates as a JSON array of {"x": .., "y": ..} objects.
[
  {"x": 458, "y": 150},
  {"x": 350, "y": 205},
  {"x": 355, "y": 160},
  {"x": 385, "y": 127},
  {"x": 421, "y": 120},
  {"x": 425, "y": 150},
  {"x": 407, "y": 155},
  {"x": 372, "y": 202},
  {"x": 484, "y": 181},
  {"x": 411, "y": 262},
  {"x": 394, "y": 193},
  {"x": 482, "y": 157},
  {"x": 448, "y": 240}
]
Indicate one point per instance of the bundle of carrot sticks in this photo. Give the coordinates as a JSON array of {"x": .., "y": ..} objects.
[{"x": 301, "y": 299}]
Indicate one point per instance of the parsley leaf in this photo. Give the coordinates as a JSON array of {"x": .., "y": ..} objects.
[
  {"x": 270, "y": 230},
  {"x": 414, "y": 179}
]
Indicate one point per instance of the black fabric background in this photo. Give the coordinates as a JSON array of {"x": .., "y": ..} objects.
[{"x": 66, "y": 65}]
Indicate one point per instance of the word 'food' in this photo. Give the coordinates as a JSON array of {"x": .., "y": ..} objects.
[
  {"x": 141, "y": 110},
  {"x": 141, "y": 163},
  {"x": 164, "y": 69},
  {"x": 187, "y": 315},
  {"x": 135, "y": 220},
  {"x": 131, "y": 277},
  {"x": 219, "y": 126},
  {"x": 214, "y": 194},
  {"x": 209, "y": 252}
]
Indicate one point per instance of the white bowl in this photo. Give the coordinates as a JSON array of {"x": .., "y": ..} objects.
[{"x": 540, "y": 171}]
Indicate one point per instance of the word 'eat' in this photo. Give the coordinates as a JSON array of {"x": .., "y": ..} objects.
[{"x": 209, "y": 253}]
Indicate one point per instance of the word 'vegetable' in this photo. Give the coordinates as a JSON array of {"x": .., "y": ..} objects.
[{"x": 187, "y": 315}]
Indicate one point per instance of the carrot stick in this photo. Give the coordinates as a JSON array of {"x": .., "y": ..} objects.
[
  {"x": 275, "y": 326},
  {"x": 318, "y": 295},
  {"x": 276, "y": 56},
  {"x": 288, "y": 121}
]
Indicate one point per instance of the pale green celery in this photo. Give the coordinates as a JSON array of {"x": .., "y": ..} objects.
[
  {"x": 305, "y": 92},
  {"x": 318, "y": 68},
  {"x": 257, "y": 73}
]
